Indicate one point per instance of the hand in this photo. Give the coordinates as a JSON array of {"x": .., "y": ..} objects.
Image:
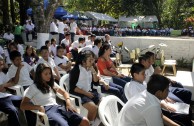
[
  {"x": 41, "y": 109},
  {"x": 71, "y": 108},
  {"x": 89, "y": 94},
  {"x": 92, "y": 69},
  {"x": 169, "y": 100},
  {"x": 106, "y": 86},
  {"x": 2, "y": 89},
  {"x": 170, "y": 109},
  {"x": 120, "y": 75}
]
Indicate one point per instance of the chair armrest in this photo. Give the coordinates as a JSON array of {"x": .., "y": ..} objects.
[
  {"x": 43, "y": 115},
  {"x": 18, "y": 88},
  {"x": 98, "y": 88}
]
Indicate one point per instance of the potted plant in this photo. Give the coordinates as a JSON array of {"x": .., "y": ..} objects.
[{"x": 43, "y": 12}]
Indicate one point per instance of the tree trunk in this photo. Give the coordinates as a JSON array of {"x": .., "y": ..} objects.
[
  {"x": 12, "y": 11},
  {"x": 5, "y": 9}
]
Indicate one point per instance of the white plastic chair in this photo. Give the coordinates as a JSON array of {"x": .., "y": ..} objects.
[
  {"x": 64, "y": 84},
  {"x": 126, "y": 91},
  {"x": 108, "y": 110}
]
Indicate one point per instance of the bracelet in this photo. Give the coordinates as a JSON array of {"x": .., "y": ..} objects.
[{"x": 67, "y": 98}]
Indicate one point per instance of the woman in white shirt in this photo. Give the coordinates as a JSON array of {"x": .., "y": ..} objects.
[
  {"x": 81, "y": 77},
  {"x": 43, "y": 96}
]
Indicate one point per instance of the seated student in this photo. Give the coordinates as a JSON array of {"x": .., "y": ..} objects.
[
  {"x": 97, "y": 45},
  {"x": 53, "y": 47},
  {"x": 91, "y": 41},
  {"x": 8, "y": 103},
  {"x": 19, "y": 72},
  {"x": 11, "y": 47},
  {"x": 30, "y": 56},
  {"x": 144, "y": 108},
  {"x": 176, "y": 88},
  {"x": 107, "y": 67},
  {"x": 76, "y": 45},
  {"x": 43, "y": 96},
  {"x": 66, "y": 41},
  {"x": 108, "y": 87},
  {"x": 48, "y": 45},
  {"x": 136, "y": 86},
  {"x": 62, "y": 62},
  {"x": 44, "y": 52},
  {"x": 81, "y": 77}
]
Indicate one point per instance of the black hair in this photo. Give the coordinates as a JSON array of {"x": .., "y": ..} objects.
[
  {"x": 14, "y": 54},
  {"x": 103, "y": 48},
  {"x": 74, "y": 73},
  {"x": 97, "y": 41},
  {"x": 39, "y": 81},
  {"x": 143, "y": 58},
  {"x": 93, "y": 35},
  {"x": 67, "y": 34},
  {"x": 43, "y": 48},
  {"x": 47, "y": 42},
  {"x": 156, "y": 83},
  {"x": 81, "y": 39},
  {"x": 149, "y": 53},
  {"x": 53, "y": 40},
  {"x": 136, "y": 68},
  {"x": 59, "y": 47},
  {"x": 11, "y": 44}
]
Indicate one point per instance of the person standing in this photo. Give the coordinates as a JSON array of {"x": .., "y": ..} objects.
[
  {"x": 18, "y": 32},
  {"x": 73, "y": 28}
]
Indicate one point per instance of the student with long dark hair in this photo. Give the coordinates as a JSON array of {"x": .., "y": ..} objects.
[
  {"x": 81, "y": 77},
  {"x": 43, "y": 95},
  {"x": 30, "y": 56},
  {"x": 107, "y": 67}
]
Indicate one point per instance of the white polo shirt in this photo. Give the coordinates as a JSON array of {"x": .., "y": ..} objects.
[
  {"x": 20, "y": 49},
  {"x": 65, "y": 41},
  {"x": 30, "y": 27},
  {"x": 85, "y": 79},
  {"x": 76, "y": 45},
  {"x": 3, "y": 79},
  {"x": 38, "y": 98},
  {"x": 141, "y": 110},
  {"x": 59, "y": 61},
  {"x": 89, "y": 42},
  {"x": 53, "y": 27},
  {"x": 1, "y": 50},
  {"x": 148, "y": 73},
  {"x": 8, "y": 36},
  {"x": 54, "y": 49},
  {"x": 95, "y": 50},
  {"x": 50, "y": 63},
  {"x": 134, "y": 88},
  {"x": 61, "y": 27},
  {"x": 24, "y": 77},
  {"x": 73, "y": 27}
]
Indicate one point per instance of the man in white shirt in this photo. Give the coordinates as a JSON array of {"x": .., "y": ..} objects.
[
  {"x": 8, "y": 36},
  {"x": 63, "y": 28},
  {"x": 30, "y": 30},
  {"x": 144, "y": 109},
  {"x": 91, "y": 42},
  {"x": 73, "y": 28},
  {"x": 53, "y": 27},
  {"x": 66, "y": 41}
]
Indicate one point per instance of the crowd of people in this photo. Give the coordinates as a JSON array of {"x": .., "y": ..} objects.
[{"x": 40, "y": 76}]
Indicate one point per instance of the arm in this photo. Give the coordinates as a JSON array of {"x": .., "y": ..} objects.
[
  {"x": 17, "y": 75},
  {"x": 168, "y": 122},
  {"x": 66, "y": 67},
  {"x": 57, "y": 74},
  {"x": 80, "y": 91},
  {"x": 26, "y": 105}
]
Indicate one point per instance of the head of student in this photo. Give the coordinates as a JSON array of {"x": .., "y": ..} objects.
[
  {"x": 29, "y": 51},
  {"x": 47, "y": 43},
  {"x": 67, "y": 35},
  {"x": 93, "y": 37},
  {"x": 158, "y": 85},
  {"x": 107, "y": 37},
  {"x": 44, "y": 78},
  {"x": 16, "y": 58},
  {"x": 145, "y": 60},
  {"x": 53, "y": 41},
  {"x": 85, "y": 58},
  {"x": 98, "y": 42},
  {"x": 105, "y": 49},
  {"x": 44, "y": 52},
  {"x": 152, "y": 56},
  {"x": 60, "y": 51},
  {"x": 12, "y": 47},
  {"x": 81, "y": 40},
  {"x": 138, "y": 72}
]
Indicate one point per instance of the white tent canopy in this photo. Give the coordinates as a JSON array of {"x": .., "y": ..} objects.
[
  {"x": 100, "y": 16},
  {"x": 139, "y": 19}
]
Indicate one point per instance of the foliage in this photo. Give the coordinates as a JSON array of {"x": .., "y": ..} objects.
[{"x": 182, "y": 62}]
